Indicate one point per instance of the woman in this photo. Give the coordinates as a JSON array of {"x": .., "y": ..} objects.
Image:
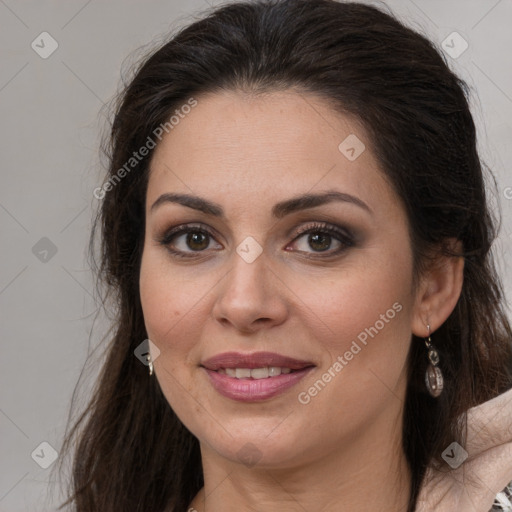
[{"x": 295, "y": 216}]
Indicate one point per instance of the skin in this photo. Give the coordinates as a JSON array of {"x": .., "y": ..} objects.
[
  {"x": 342, "y": 450},
  {"x": 486, "y": 471}
]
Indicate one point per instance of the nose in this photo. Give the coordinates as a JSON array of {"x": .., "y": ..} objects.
[{"x": 251, "y": 296}]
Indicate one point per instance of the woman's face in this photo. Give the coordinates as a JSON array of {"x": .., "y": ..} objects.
[{"x": 239, "y": 281}]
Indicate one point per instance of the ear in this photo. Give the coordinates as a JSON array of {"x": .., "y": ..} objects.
[{"x": 438, "y": 290}]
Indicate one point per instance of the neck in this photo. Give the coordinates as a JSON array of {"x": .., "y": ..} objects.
[{"x": 365, "y": 474}]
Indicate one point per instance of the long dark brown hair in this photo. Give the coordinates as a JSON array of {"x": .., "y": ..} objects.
[{"x": 130, "y": 451}]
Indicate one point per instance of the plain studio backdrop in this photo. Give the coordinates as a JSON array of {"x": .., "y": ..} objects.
[{"x": 60, "y": 63}]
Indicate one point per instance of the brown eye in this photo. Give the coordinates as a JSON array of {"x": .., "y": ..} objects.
[
  {"x": 187, "y": 241},
  {"x": 319, "y": 242},
  {"x": 321, "y": 237},
  {"x": 197, "y": 240}
]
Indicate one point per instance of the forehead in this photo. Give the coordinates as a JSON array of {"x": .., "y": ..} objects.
[{"x": 241, "y": 146}]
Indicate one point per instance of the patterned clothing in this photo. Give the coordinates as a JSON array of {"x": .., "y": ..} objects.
[{"x": 503, "y": 501}]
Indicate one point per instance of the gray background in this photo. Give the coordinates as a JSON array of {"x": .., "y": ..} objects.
[{"x": 52, "y": 115}]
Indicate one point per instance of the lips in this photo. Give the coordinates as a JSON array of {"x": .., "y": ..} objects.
[
  {"x": 256, "y": 360},
  {"x": 246, "y": 387}
]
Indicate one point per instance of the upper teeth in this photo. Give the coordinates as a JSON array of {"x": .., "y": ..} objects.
[{"x": 255, "y": 373}]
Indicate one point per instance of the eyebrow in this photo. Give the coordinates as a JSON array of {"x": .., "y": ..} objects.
[{"x": 279, "y": 210}]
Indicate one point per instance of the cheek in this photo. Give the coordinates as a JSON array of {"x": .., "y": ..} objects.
[
  {"x": 368, "y": 314},
  {"x": 358, "y": 299},
  {"x": 362, "y": 322},
  {"x": 174, "y": 315},
  {"x": 167, "y": 298}
]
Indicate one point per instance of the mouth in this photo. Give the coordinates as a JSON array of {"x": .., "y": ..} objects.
[
  {"x": 256, "y": 373},
  {"x": 254, "y": 377}
]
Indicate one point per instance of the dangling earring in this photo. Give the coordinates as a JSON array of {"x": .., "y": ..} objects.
[
  {"x": 150, "y": 364},
  {"x": 433, "y": 376}
]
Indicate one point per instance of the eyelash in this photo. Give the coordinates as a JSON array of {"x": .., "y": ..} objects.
[{"x": 345, "y": 238}]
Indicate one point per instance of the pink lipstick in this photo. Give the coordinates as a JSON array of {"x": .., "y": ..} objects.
[{"x": 254, "y": 377}]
